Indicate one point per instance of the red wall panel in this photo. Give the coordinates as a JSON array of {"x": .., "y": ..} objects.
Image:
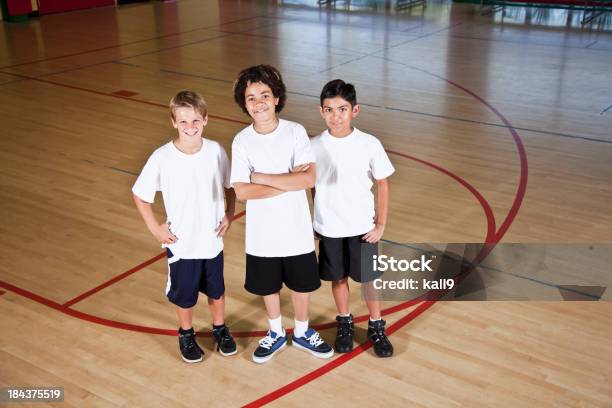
[
  {"x": 56, "y": 6},
  {"x": 19, "y": 7}
]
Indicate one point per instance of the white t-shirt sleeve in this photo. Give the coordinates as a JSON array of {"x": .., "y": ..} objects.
[
  {"x": 241, "y": 169},
  {"x": 224, "y": 167},
  {"x": 302, "y": 150},
  {"x": 380, "y": 164},
  {"x": 148, "y": 182}
]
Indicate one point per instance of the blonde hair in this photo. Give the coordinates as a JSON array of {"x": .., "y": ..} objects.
[{"x": 188, "y": 99}]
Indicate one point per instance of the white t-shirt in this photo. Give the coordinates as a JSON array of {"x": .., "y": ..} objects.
[
  {"x": 277, "y": 226},
  {"x": 192, "y": 188},
  {"x": 346, "y": 169}
]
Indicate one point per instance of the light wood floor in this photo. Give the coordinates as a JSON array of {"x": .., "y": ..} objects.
[{"x": 442, "y": 85}]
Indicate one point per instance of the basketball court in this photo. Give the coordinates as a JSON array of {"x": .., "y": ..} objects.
[{"x": 498, "y": 125}]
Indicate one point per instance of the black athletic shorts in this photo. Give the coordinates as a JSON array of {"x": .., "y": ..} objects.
[
  {"x": 266, "y": 275},
  {"x": 348, "y": 256}
]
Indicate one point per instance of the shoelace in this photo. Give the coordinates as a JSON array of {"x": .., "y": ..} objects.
[
  {"x": 344, "y": 329},
  {"x": 315, "y": 340},
  {"x": 224, "y": 335},
  {"x": 190, "y": 341},
  {"x": 381, "y": 336},
  {"x": 267, "y": 342}
]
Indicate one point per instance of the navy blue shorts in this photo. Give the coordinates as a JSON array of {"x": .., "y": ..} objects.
[{"x": 188, "y": 277}]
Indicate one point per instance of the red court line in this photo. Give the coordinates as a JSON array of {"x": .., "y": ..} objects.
[
  {"x": 337, "y": 362},
  {"x": 497, "y": 236},
  {"x": 79, "y": 88},
  {"x": 505, "y": 225},
  {"x": 114, "y": 280},
  {"x": 126, "y": 274},
  {"x": 483, "y": 202},
  {"x": 172, "y": 332},
  {"x": 129, "y": 43}
]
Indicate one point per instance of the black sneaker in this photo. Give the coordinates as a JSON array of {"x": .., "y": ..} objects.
[
  {"x": 190, "y": 350},
  {"x": 376, "y": 334},
  {"x": 269, "y": 346},
  {"x": 344, "y": 334},
  {"x": 313, "y": 343},
  {"x": 226, "y": 345}
]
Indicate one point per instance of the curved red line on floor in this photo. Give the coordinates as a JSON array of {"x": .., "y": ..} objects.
[
  {"x": 172, "y": 332},
  {"x": 497, "y": 236}
]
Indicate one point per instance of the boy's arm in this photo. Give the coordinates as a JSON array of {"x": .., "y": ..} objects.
[
  {"x": 161, "y": 232},
  {"x": 313, "y": 192},
  {"x": 230, "y": 209},
  {"x": 251, "y": 191},
  {"x": 382, "y": 210},
  {"x": 300, "y": 178}
]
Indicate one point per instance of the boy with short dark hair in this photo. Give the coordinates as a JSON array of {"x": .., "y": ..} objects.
[
  {"x": 348, "y": 163},
  {"x": 192, "y": 174},
  {"x": 272, "y": 165}
]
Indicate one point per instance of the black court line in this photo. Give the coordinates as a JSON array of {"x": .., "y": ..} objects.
[
  {"x": 122, "y": 61},
  {"x": 158, "y": 50},
  {"x": 391, "y": 108},
  {"x": 493, "y": 269},
  {"x": 132, "y": 42},
  {"x": 467, "y": 37},
  {"x": 122, "y": 171},
  {"x": 450, "y": 27},
  {"x": 376, "y": 28}
]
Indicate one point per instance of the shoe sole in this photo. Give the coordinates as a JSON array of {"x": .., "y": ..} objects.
[
  {"x": 227, "y": 354},
  {"x": 314, "y": 353},
  {"x": 261, "y": 360},
  {"x": 191, "y": 361}
]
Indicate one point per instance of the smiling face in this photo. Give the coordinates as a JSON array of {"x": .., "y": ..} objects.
[
  {"x": 260, "y": 102},
  {"x": 338, "y": 115},
  {"x": 189, "y": 123}
]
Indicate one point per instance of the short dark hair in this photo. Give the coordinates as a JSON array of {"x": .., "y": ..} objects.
[
  {"x": 338, "y": 87},
  {"x": 265, "y": 74}
]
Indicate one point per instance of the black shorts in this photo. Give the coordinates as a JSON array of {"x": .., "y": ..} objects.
[
  {"x": 348, "y": 256},
  {"x": 188, "y": 277},
  {"x": 266, "y": 275}
]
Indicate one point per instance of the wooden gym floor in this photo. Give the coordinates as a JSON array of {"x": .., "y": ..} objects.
[{"x": 497, "y": 131}]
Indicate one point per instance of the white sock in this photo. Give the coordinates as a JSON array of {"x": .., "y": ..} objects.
[
  {"x": 300, "y": 328},
  {"x": 345, "y": 315},
  {"x": 375, "y": 320},
  {"x": 276, "y": 325}
]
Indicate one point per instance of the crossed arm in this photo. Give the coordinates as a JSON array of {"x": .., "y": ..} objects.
[{"x": 269, "y": 185}]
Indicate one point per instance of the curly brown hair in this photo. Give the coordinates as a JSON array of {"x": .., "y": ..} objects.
[{"x": 265, "y": 74}]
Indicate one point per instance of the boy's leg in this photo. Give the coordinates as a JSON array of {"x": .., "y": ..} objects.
[
  {"x": 340, "y": 290},
  {"x": 300, "y": 301},
  {"x": 301, "y": 275},
  {"x": 333, "y": 266},
  {"x": 217, "y": 310},
  {"x": 264, "y": 278},
  {"x": 360, "y": 256},
  {"x": 345, "y": 327},
  {"x": 212, "y": 284},
  {"x": 182, "y": 290},
  {"x": 185, "y": 317},
  {"x": 226, "y": 346},
  {"x": 371, "y": 301},
  {"x": 272, "y": 303},
  {"x": 376, "y": 325}
]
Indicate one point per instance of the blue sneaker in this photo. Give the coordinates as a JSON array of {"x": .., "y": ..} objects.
[
  {"x": 268, "y": 346},
  {"x": 314, "y": 344}
]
